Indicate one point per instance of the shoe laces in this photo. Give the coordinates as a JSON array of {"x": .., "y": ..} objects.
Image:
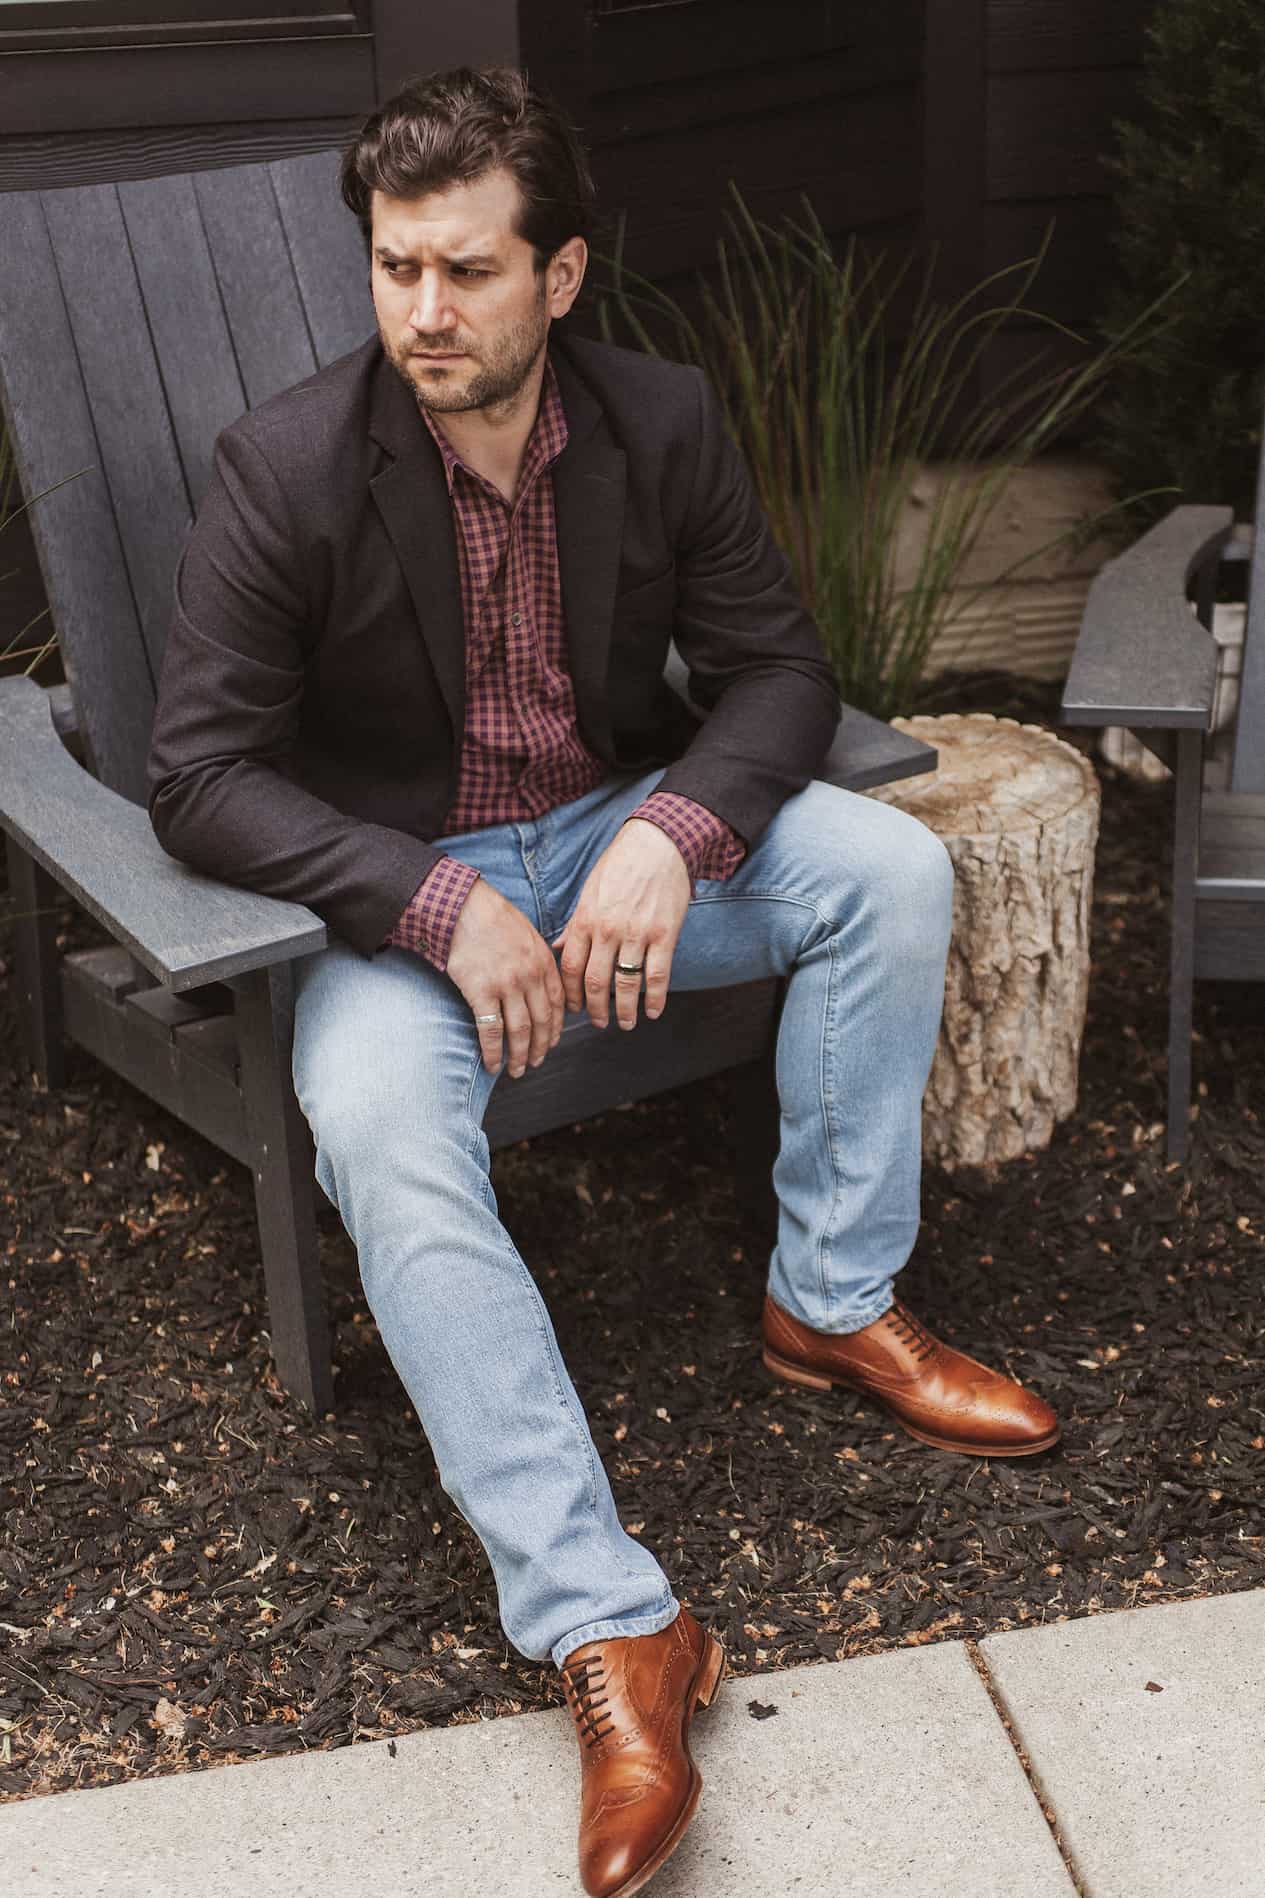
[
  {"x": 911, "y": 1331},
  {"x": 585, "y": 1687}
]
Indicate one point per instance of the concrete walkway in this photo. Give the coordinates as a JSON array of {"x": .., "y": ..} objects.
[{"x": 885, "y": 1777}]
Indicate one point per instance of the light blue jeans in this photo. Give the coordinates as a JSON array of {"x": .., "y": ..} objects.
[{"x": 851, "y": 899}]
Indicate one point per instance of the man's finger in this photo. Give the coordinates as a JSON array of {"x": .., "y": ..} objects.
[
  {"x": 541, "y": 1022},
  {"x": 628, "y": 986},
  {"x": 597, "y": 979},
  {"x": 517, "y": 1033},
  {"x": 557, "y": 1004},
  {"x": 658, "y": 973},
  {"x": 491, "y": 1035},
  {"x": 574, "y": 962}
]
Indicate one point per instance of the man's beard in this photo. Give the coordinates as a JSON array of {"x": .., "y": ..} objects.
[{"x": 501, "y": 373}]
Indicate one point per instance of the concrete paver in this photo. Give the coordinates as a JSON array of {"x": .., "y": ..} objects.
[
  {"x": 884, "y": 1777},
  {"x": 1156, "y": 1792}
]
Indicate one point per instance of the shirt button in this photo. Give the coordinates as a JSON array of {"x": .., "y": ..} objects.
[{"x": 516, "y": 619}]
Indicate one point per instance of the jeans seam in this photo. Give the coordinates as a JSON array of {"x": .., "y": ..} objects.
[
  {"x": 826, "y": 1094},
  {"x": 766, "y": 896},
  {"x": 537, "y": 1300},
  {"x": 827, "y": 1101},
  {"x": 563, "y": 1405}
]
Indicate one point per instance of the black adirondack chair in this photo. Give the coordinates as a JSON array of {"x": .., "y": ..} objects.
[
  {"x": 1146, "y": 661},
  {"x": 136, "y": 321}
]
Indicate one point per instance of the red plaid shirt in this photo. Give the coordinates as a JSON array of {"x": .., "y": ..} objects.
[{"x": 522, "y": 752}]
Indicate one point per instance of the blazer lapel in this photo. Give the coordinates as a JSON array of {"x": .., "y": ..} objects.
[
  {"x": 412, "y": 497},
  {"x": 588, "y": 492}
]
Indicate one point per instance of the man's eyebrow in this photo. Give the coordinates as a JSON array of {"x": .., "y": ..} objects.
[{"x": 472, "y": 259}]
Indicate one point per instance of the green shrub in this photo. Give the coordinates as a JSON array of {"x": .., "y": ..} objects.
[
  {"x": 837, "y": 417},
  {"x": 1186, "y": 410}
]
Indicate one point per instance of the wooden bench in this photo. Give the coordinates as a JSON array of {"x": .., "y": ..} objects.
[
  {"x": 137, "y": 321},
  {"x": 1146, "y": 661}
]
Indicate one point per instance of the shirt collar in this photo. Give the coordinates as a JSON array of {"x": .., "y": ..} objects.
[{"x": 545, "y": 443}]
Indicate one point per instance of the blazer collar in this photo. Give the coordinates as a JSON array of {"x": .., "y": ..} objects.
[{"x": 411, "y": 494}]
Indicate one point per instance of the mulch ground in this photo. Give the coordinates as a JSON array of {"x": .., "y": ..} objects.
[{"x": 193, "y": 1571}]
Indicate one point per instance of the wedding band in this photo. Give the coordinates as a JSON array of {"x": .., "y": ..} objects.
[
  {"x": 487, "y": 1018},
  {"x": 629, "y": 968}
]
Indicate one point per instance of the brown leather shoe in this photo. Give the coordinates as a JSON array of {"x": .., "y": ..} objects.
[
  {"x": 939, "y": 1395},
  {"x": 632, "y": 1700}
]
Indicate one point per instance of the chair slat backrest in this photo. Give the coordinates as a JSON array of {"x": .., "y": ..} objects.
[
  {"x": 123, "y": 384},
  {"x": 191, "y": 337},
  {"x": 1247, "y": 766},
  {"x": 136, "y": 321},
  {"x": 51, "y": 428}
]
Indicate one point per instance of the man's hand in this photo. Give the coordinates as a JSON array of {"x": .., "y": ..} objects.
[
  {"x": 503, "y": 966},
  {"x": 631, "y": 910}
]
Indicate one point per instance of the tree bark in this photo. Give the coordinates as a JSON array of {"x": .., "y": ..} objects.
[{"x": 1017, "y": 809}]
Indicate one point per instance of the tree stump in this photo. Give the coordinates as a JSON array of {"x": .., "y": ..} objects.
[{"x": 1017, "y": 809}]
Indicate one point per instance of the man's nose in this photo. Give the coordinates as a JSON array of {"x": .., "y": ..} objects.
[{"x": 432, "y": 311}]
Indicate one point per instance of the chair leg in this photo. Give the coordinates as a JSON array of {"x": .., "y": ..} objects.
[
  {"x": 1188, "y": 785},
  {"x": 35, "y": 896},
  {"x": 285, "y": 1185}
]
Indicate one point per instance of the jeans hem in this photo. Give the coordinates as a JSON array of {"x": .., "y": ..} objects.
[
  {"x": 868, "y": 1316},
  {"x": 649, "y": 1623},
  {"x": 874, "y": 1312}
]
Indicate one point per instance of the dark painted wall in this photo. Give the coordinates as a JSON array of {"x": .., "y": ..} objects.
[
  {"x": 967, "y": 123},
  {"x": 964, "y": 122},
  {"x": 676, "y": 100},
  {"x": 129, "y": 111}
]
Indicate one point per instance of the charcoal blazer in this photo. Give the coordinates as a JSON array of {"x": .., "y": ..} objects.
[{"x": 311, "y": 701}]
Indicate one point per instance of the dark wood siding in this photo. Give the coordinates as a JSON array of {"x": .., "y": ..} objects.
[
  {"x": 967, "y": 123},
  {"x": 1058, "y": 74},
  {"x": 678, "y": 100},
  {"x": 110, "y": 112},
  {"x": 970, "y": 123}
]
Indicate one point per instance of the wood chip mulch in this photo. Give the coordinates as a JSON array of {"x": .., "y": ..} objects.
[{"x": 193, "y": 1571}]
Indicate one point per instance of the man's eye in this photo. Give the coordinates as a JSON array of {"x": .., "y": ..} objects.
[{"x": 458, "y": 270}]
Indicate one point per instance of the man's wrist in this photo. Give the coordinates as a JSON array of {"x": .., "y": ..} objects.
[
  {"x": 428, "y": 923},
  {"x": 710, "y": 847}
]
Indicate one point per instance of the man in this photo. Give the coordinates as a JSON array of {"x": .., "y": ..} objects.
[{"x": 414, "y": 680}]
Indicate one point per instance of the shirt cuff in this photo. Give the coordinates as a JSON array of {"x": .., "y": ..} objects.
[
  {"x": 710, "y": 847},
  {"x": 431, "y": 914}
]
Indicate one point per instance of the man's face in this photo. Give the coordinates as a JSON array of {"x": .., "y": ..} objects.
[{"x": 462, "y": 311}]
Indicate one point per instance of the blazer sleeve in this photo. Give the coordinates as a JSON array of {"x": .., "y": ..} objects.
[
  {"x": 218, "y": 792},
  {"x": 754, "y": 654}
]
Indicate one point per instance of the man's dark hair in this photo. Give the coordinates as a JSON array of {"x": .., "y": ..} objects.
[{"x": 453, "y": 127}]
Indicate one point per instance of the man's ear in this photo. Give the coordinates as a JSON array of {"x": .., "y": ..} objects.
[{"x": 565, "y": 271}]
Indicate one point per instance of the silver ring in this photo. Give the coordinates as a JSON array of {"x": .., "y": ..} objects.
[
  {"x": 629, "y": 968},
  {"x": 487, "y": 1018}
]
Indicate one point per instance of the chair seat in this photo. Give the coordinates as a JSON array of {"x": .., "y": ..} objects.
[{"x": 182, "y": 1050}]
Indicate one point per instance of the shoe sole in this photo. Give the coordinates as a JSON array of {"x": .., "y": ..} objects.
[
  {"x": 703, "y": 1689},
  {"x": 814, "y": 1381}
]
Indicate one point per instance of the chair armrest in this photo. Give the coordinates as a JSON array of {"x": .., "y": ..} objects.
[
  {"x": 1142, "y": 657},
  {"x": 867, "y": 751},
  {"x": 185, "y": 928},
  {"x": 864, "y": 751}
]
